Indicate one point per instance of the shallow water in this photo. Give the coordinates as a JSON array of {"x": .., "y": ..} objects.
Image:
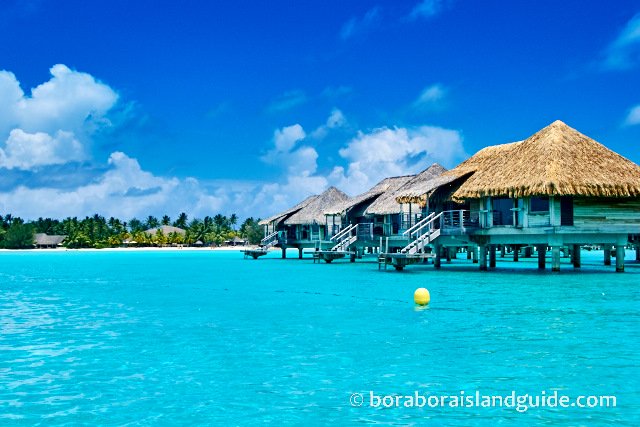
[{"x": 148, "y": 338}]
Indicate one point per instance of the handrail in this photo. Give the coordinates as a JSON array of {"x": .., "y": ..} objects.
[
  {"x": 343, "y": 232},
  {"x": 418, "y": 224},
  {"x": 268, "y": 238},
  {"x": 425, "y": 224}
]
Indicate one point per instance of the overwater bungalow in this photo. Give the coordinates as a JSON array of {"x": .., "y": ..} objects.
[
  {"x": 375, "y": 217},
  {"x": 557, "y": 189},
  {"x": 303, "y": 226}
]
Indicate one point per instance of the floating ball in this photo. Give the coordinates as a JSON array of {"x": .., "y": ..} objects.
[{"x": 421, "y": 296}]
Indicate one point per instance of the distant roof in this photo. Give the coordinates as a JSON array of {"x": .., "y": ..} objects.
[
  {"x": 43, "y": 239},
  {"x": 368, "y": 196},
  {"x": 314, "y": 211},
  {"x": 236, "y": 239},
  {"x": 166, "y": 229},
  {"x": 284, "y": 214},
  {"x": 387, "y": 204}
]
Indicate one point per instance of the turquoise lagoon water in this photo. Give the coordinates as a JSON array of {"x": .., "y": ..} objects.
[{"x": 208, "y": 338}]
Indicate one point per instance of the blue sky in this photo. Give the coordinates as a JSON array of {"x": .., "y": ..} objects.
[{"x": 146, "y": 107}]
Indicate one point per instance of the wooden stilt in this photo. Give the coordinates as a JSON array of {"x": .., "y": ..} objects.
[
  {"x": 492, "y": 256},
  {"x": 447, "y": 252},
  {"x": 284, "y": 252},
  {"x": 502, "y": 250},
  {"x": 516, "y": 253},
  {"x": 576, "y": 256},
  {"x": 555, "y": 258},
  {"x": 619, "y": 258},
  {"x": 542, "y": 253},
  {"x": 437, "y": 259},
  {"x": 299, "y": 253},
  {"x": 475, "y": 254},
  {"x": 637, "y": 252},
  {"x": 483, "y": 257},
  {"x": 468, "y": 252},
  {"x": 607, "y": 255}
]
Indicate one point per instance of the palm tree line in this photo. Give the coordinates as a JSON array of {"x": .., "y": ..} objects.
[{"x": 99, "y": 232}]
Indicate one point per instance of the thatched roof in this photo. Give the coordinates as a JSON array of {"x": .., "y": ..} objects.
[
  {"x": 557, "y": 160},
  {"x": 315, "y": 209},
  {"x": 166, "y": 229},
  {"x": 368, "y": 196},
  {"x": 43, "y": 239},
  {"x": 387, "y": 204},
  {"x": 283, "y": 215}
]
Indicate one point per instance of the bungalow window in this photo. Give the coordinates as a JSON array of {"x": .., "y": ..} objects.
[{"x": 539, "y": 204}]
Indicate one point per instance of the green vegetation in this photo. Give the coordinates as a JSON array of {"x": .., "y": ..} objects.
[{"x": 98, "y": 232}]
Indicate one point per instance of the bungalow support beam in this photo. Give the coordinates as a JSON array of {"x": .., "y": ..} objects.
[
  {"x": 637, "y": 252},
  {"x": 620, "y": 258},
  {"x": 555, "y": 258},
  {"x": 448, "y": 254},
  {"x": 542, "y": 253},
  {"x": 475, "y": 254},
  {"x": 284, "y": 252},
  {"x": 575, "y": 256},
  {"x": 492, "y": 256},
  {"x": 483, "y": 257},
  {"x": 437, "y": 260},
  {"x": 299, "y": 253},
  {"x": 516, "y": 253},
  {"x": 468, "y": 253},
  {"x": 607, "y": 255}
]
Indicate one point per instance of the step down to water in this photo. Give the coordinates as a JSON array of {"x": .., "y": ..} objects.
[
  {"x": 254, "y": 253},
  {"x": 400, "y": 260},
  {"x": 328, "y": 256}
]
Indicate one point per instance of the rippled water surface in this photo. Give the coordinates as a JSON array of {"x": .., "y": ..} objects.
[{"x": 201, "y": 338}]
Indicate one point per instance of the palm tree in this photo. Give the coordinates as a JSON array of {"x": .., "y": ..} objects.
[
  {"x": 166, "y": 220},
  {"x": 233, "y": 220},
  {"x": 152, "y": 222},
  {"x": 181, "y": 222}
]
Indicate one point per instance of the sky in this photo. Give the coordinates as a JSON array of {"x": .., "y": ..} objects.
[{"x": 131, "y": 109}]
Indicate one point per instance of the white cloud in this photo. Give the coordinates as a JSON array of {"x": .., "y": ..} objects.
[
  {"x": 335, "y": 120},
  {"x": 296, "y": 159},
  {"x": 633, "y": 118},
  {"x": 28, "y": 150},
  {"x": 426, "y": 9},
  {"x": 54, "y": 123},
  {"x": 356, "y": 26},
  {"x": 431, "y": 96},
  {"x": 389, "y": 152},
  {"x": 624, "y": 52}
]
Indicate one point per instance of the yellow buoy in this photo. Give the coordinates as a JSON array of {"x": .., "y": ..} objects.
[{"x": 421, "y": 296}]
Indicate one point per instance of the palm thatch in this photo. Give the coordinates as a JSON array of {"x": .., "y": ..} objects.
[
  {"x": 279, "y": 217},
  {"x": 387, "y": 203},
  {"x": 557, "y": 160},
  {"x": 166, "y": 229},
  {"x": 47, "y": 240},
  {"x": 314, "y": 211},
  {"x": 368, "y": 196}
]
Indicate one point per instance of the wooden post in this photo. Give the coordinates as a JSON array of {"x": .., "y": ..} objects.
[
  {"x": 483, "y": 257},
  {"x": 516, "y": 253},
  {"x": 448, "y": 254},
  {"x": 528, "y": 251},
  {"x": 468, "y": 252},
  {"x": 638, "y": 252},
  {"x": 436, "y": 260},
  {"x": 475, "y": 254},
  {"x": 620, "y": 258},
  {"x": 454, "y": 252},
  {"x": 502, "y": 250},
  {"x": 542, "y": 253},
  {"x": 284, "y": 252},
  {"x": 576, "y": 256},
  {"x": 299, "y": 253},
  {"x": 555, "y": 258},
  {"x": 492, "y": 256},
  {"x": 607, "y": 255}
]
